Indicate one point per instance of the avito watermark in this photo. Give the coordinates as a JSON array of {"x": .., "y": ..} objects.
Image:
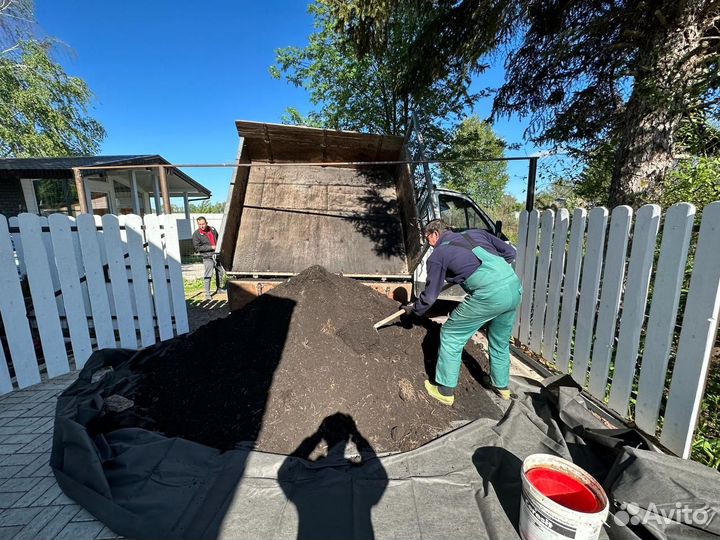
[{"x": 633, "y": 514}]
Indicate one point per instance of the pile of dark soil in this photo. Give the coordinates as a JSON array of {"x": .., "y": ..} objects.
[{"x": 271, "y": 372}]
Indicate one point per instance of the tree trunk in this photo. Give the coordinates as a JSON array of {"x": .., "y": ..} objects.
[
  {"x": 659, "y": 100},
  {"x": 644, "y": 153}
]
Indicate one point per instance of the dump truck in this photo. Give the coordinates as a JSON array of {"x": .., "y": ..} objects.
[{"x": 304, "y": 196}]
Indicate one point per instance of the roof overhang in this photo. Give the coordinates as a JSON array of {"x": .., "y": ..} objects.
[{"x": 179, "y": 182}]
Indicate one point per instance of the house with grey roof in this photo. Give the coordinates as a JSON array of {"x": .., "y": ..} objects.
[{"x": 49, "y": 185}]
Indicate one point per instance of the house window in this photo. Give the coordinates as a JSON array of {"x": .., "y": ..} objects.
[
  {"x": 56, "y": 196},
  {"x": 123, "y": 198}
]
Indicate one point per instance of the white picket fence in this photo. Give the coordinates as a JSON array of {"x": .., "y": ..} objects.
[
  {"x": 585, "y": 308},
  {"x": 70, "y": 286}
]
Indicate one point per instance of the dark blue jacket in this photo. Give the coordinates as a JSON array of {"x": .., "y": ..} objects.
[{"x": 455, "y": 263}]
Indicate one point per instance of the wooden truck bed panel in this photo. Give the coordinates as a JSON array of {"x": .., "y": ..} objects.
[{"x": 344, "y": 219}]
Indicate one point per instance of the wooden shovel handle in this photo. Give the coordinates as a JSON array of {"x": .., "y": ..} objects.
[{"x": 389, "y": 319}]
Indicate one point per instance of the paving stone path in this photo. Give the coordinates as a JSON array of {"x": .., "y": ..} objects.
[{"x": 31, "y": 503}]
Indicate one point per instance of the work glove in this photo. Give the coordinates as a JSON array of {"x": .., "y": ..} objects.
[{"x": 408, "y": 308}]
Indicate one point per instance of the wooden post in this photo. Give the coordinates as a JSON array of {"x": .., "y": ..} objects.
[
  {"x": 156, "y": 192},
  {"x": 532, "y": 174},
  {"x": 88, "y": 196},
  {"x": 186, "y": 205},
  {"x": 134, "y": 193},
  {"x": 167, "y": 209},
  {"x": 80, "y": 188}
]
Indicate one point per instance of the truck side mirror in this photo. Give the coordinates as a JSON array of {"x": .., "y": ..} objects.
[{"x": 498, "y": 226}]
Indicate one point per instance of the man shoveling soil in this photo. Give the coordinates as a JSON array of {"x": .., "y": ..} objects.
[{"x": 480, "y": 263}]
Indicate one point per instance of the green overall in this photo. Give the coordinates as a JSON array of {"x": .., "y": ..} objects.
[{"x": 493, "y": 294}]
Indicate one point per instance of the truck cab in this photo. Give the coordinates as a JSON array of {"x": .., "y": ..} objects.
[{"x": 461, "y": 213}]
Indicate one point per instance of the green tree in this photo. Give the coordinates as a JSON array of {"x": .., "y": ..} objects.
[
  {"x": 207, "y": 207},
  {"x": 484, "y": 181},
  {"x": 508, "y": 210},
  {"x": 16, "y": 23},
  {"x": 365, "y": 94},
  {"x": 690, "y": 180},
  {"x": 695, "y": 180},
  {"x": 559, "y": 194},
  {"x": 43, "y": 110},
  {"x": 584, "y": 71}
]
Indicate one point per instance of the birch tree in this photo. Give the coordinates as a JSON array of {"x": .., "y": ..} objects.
[{"x": 43, "y": 110}]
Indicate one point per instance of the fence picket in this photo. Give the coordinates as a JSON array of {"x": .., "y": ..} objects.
[
  {"x": 520, "y": 262},
  {"x": 45, "y": 235},
  {"x": 115, "y": 252},
  {"x": 597, "y": 224},
  {"x": 95, "y": 275},
  {"x": 42, "y": 292},
  {"x": 141, "y": 286},
  {"x": 634, "y": 302},
  {"x": 541, "y": 283},
  {"x": 177, "y": 289},
  {"x": 570, "y": 289},
  {"x": 72, "y": 296},
  {"x": 159, "y": 276},
  {"x": 612, "y": 281},
  {"x": 17, "y": 242},
  {"x": 676, "y": 235},
  {"x": 529, "y": 275},
  {"x": 80, "y": 264},
  {"x": 697, "y": 335},
  {"x": 5, "y": 380},
  {"x": 557, "y": 266},
  {"x": 14, "y": 318}
]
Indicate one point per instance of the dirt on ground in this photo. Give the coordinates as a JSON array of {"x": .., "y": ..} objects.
[
  {"x": 268, "y": 374},
  {"x": 201, "y": 311}
]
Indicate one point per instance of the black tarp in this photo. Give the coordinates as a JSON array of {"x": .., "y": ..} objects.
[{"x": 465, "y": 484}]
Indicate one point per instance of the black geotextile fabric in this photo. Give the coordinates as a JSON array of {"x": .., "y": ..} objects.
[{"x": 465, "y": 484}]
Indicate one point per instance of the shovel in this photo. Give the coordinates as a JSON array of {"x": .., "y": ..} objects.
[{"x": 388, "y": 320}]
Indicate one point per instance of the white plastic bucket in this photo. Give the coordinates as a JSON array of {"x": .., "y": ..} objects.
[{"x": 560, "y": 501}]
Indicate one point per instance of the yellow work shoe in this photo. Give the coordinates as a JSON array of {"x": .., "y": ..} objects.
[
  {"x": 504, "y": 393},
  {"x": 434, "y": 392}
]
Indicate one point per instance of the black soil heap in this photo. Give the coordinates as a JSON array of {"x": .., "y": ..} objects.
[{"x": 269, "y": 373}]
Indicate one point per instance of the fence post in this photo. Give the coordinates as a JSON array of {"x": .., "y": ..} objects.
[
  {"x": 95, "y": 278},
  {"x": 72, "y": 296},
  {"x": 699, "y": 325},
  {"x": 592, "y": 265},
  {"x": 177, "y": 290},
  {"x": 139, "y": 272},
  {"x": 115, "y": 251},
  {"x": 676, "y": 234},
  {"x": 14, "y": 317},
  {"x": 541, "y": 283},
  {"x": 42, "y": 291},
  {"x": 528, "y": 281},
  {"x": 520, "y": 262},
  {"x": 570, "y": 289},
  {"x": 634, "y": 301},
  {"x": 612, "y": 282},
  {"x": 159, "y": 276},
  {"x": 557, "y": 267}
]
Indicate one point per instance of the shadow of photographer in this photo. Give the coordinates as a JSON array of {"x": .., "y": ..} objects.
[{"x": 334, "y": 478}]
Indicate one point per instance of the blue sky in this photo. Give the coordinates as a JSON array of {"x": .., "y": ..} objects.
[{"x": 170, "y": 78}]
